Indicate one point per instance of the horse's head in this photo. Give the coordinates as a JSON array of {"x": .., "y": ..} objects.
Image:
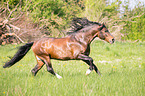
[{"x": 104, "y": 34}]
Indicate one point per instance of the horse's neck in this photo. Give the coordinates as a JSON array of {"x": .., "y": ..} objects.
[{"x": 85, "y": 37}]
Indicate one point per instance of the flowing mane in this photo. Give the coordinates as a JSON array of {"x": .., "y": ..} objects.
[{"x": 80, "y": 23}]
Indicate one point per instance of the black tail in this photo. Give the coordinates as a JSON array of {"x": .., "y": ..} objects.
[{"x": 19, "y": 55}]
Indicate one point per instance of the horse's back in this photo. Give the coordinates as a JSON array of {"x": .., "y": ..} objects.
[{"x": 56, "y": 48}]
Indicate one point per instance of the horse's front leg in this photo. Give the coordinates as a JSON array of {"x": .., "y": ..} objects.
[
  {"x": 94, "y": 67},
  {"x": 89, "y": 61}
]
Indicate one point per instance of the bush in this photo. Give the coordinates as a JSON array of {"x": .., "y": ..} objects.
[
  {"x": 53, "y": 15},
  {"x": 135, "y": 27}
]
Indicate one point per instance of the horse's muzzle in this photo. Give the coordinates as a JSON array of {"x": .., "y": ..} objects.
[{"x": 112, "y": 41}]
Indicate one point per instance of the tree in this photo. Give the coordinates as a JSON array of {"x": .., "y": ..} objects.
[
  {"x": 135, "y": 23},
  {"x": 53, "y": 15}
]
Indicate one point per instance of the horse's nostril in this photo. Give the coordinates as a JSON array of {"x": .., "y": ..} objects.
[{"x": 113, "y": 40}]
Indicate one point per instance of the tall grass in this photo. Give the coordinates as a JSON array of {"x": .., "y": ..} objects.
[{"x": 122, "y": 66}]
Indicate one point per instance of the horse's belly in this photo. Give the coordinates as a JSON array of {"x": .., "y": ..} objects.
[{"x": 63, "y": 55}]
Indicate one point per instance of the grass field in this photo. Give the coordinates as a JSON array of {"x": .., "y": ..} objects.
[{"x": 122, "y": 66}]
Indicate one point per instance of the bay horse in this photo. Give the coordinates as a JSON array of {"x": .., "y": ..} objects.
[{"x": 75, "y": 46}]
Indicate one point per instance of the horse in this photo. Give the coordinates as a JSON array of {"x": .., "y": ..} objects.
[{"x": 74, "y": 46}]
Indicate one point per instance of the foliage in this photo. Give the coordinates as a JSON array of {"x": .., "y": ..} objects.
[
  {"x": 135, "y": 27},
  {"x": 122, "y": 66},
  {"x": 93, "y": 9},
  {"x": 54, "y": 16}
]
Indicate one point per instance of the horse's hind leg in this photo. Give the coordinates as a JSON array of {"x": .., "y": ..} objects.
[
  {"x": 49, "y": 67},
  {"x": 39, "y": 65}
]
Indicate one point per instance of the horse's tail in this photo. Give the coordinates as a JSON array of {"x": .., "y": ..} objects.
[{"x": 19, "y": 55}]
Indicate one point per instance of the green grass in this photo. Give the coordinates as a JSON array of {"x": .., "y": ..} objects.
[{"x": 122, "y": 66}]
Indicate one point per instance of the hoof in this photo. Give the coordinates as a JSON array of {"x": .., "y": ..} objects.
[
  {"x": 88, "y": 72},
  {"x": 58, "y": 76},
  {"x": 33, "y": 72}
]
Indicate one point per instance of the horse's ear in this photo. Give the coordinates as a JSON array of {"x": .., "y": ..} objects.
[
  {"x": 104, "y": 23},
  {"x": 101, "y": 26}
]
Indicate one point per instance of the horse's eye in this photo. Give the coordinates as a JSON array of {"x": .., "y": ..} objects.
[
  {"x": 106, "y": 35},
  {"x": 106, "y": 30}
]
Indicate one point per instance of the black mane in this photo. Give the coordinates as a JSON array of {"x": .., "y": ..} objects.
[{"x": 79, "y": 23}]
